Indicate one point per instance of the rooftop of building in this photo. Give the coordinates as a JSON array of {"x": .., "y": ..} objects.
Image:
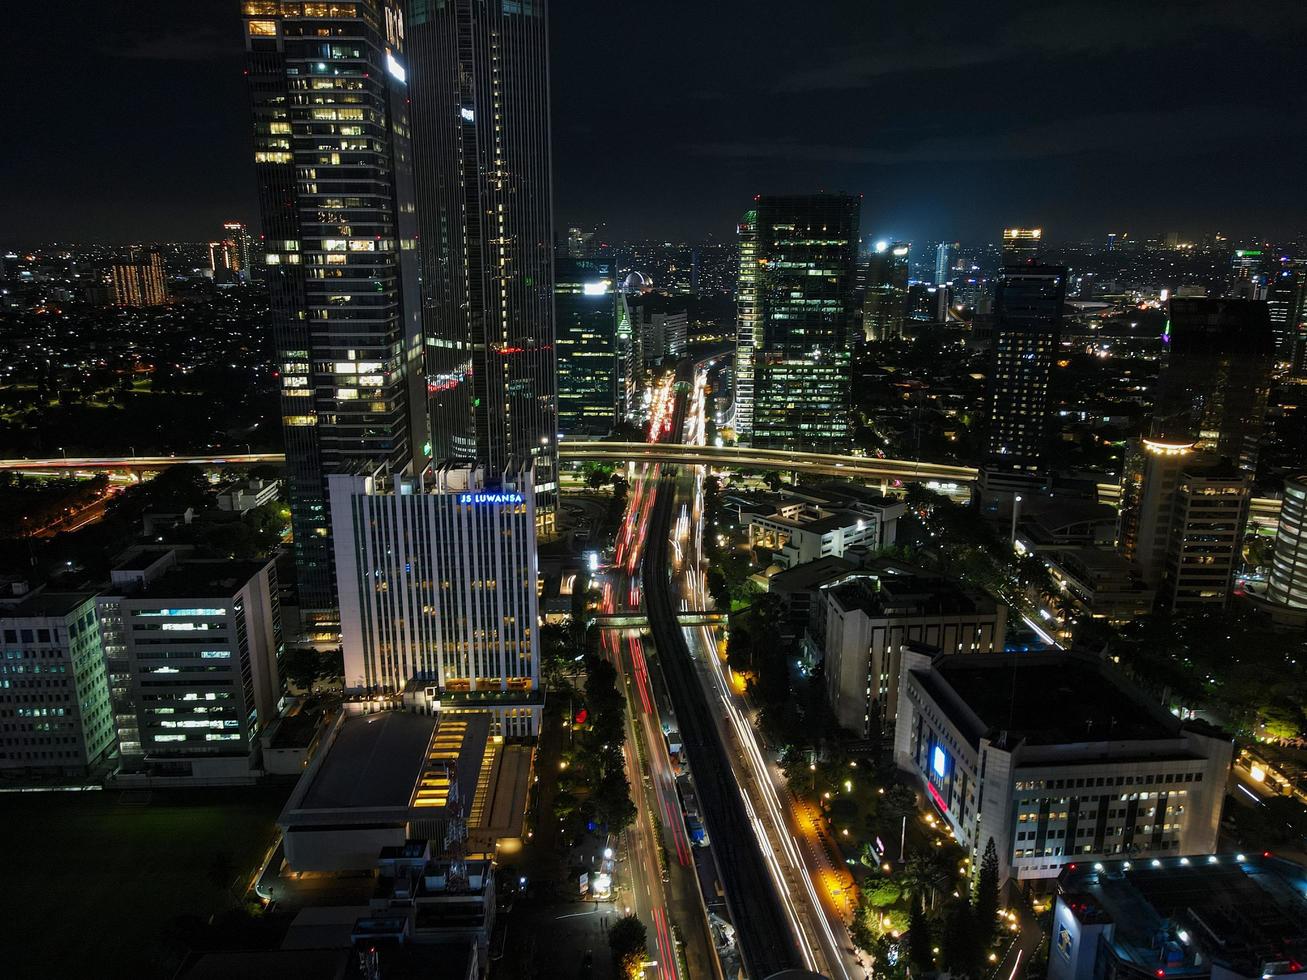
[
  {"x": 1097, "y": 561},
  {"x": 40, "y": 604},
  {"x": 810, "y": 575},
  {"x": 197, "y": 579},
  {"x": 890, "y": 588},
  {"x": 847, "y": 494},
  {"x": 140, "y": 560},
  {"x": 374, "y": 761},
  {"x": 1183, "y": 915},
  {"x": 1043, "y": 699}
]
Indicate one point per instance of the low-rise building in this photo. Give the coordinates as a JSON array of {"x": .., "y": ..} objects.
[
  {"x": 1102, "y": 582},
  {"x": 190, "y": 651},
  {"x": 382, "y": 779},
  {"x": 55, "y": 713},
  {"x": 1217, "y": 916},
  {"x": 246, "y": 496},
  {"x": 1057, "y": 759},
  {"x": 862, "y": 622},
  {"x": 798, "y": 530}
]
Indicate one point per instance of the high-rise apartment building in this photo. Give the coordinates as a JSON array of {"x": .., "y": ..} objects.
[
  {"x": 1022, "y": 245},
  {"x": 438, "y": 587},
  {"x": 1288, "y": 579},
  {"x": 139, "y": 279},
  {"x": 884, "y": 306},
  {"x": 748, "y": 330},
  {"x": 239, "y": 236},
  {"x": 660, "y": 328},
  {"x": 585, "y": 311},
  {"x": 1216, "y": 376},
  {"x": 1207, "y": 526},
  {"x": 328, "y": 83},
  {"x": 803, "y": 327},
  {"x": 480, "y": 80},
  {"x": 1028, "y": 304},
  {"x": 53, "y": 692}
]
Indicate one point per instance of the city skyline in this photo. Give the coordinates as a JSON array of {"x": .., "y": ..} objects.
[{"x": 1144, "y": 138}]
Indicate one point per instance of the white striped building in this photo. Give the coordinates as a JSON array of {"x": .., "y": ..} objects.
[{"x": 437, "y": 580}]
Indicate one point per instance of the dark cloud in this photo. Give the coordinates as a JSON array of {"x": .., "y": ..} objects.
[
  {"x": 1179, "y": 133},
  {"x": 986, "y": 36},
  {"x": 201, "y": 44}
]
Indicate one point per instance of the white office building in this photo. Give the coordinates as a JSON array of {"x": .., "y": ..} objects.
[
  {"x": 437, "y": 576},
  {"x": 190, "y": 652},
  {"x": 867, "y": 618},
  {"x": 1058, "y": 760}
]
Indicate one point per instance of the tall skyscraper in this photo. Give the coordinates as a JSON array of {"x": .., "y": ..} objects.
[
  {"x": 1287, "y": 584},
  {"x": 139, "y": 279},
  {"x": 1182, "y": 520},
  {"x": 884, "y": 306},
  {"x": 803, "y": 329},
  {"x": 331, "y": 148},
  {"x": 748, "y": 332},
  {"x": 1286, "y": 300},
  {"x": 1216, "y": 376},
  {"x": 480, "y": 78},
  {"x": 585, "y": 310},
  {"x": 1022, "y": 245},
  {"x": 1028, "y": 303},
  {"x": 438, "y": 577},
  {"x": 945, "y": 255}
]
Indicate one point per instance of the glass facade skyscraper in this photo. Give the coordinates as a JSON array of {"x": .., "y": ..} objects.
[
  {"x": 1028, "y": 303},
  {"x": 804, "y": 322},
  {"x": 332, "y": 153},
  {"x": 479, "y": 71},
  {"x": 885, "y": 304},
  {"x": 585, "y": 310},
  {"x": 1216, "y": 376}
]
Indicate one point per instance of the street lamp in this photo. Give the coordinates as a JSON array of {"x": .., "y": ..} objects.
[{"x": 1016, "y": 510}]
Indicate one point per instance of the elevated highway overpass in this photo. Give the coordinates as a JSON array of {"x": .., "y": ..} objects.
[{"x": 1264, "y": 512}]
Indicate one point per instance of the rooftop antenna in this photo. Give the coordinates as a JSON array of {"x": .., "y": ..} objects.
[{"x": 455, "y": 841}]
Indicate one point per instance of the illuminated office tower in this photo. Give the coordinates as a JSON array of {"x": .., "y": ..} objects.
[
  {"x": 480, "y": 77},
  {"x": 140, "y": 279},
  {"x": 1182, "y": 520},
  {"x": 1288, "y": 579},
  {"x": 945, "y": 255},
  {"x": 585, "y": 310},
  {"x": 1022, "y": 245},
  {"x": 1027, "y": 329},
  {"x": 438, "y": 576},
  {"x": 1286, "y": 300},
  {"x": 1216, "y": 376},
  {"x": 806, "y": 256},
  {"x": 331, "y": 148},
  {"x": 884, "y": 306},
  {"x": 747, "y": 317},
  {"x": 1248, "y": 268}
]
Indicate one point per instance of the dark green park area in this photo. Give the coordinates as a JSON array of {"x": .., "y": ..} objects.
[{"x": 115, "y": 884}]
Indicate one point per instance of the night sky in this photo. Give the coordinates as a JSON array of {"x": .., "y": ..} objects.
[{"x": 127, "y": 119}]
